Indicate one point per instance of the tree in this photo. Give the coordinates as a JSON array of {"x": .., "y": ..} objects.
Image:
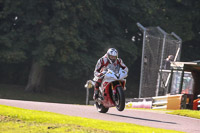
[
  {"x": 44, "y": 33},
  {"x": 69, "y": 36}
]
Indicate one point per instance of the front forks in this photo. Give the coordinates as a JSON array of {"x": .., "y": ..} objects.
[{"x": 114, "y": 93}]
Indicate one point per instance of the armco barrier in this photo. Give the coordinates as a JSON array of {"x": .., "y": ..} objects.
[
  {"x": 170, "y": 102},
  {"x": 140, "y": 104},
  {"x": 159, "y": 102}
]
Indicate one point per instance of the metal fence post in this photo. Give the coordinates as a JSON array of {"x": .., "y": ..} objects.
[
  {"x": 180, "y": 44},
  {"x": 142, "y": 60},
  {"x": 181, "y": 84},
  {"x": 87, "y": 95},
  {"x": 161, "y": 63}
]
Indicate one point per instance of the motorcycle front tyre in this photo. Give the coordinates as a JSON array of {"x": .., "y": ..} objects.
[
  {"x": 120, "y": 103},
  {"x": 101, "y": 108}
]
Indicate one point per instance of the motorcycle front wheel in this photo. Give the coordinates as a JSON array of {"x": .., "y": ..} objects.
[
  {"x": 101, "y": 108},
  {"x": 120, "y": 102}
]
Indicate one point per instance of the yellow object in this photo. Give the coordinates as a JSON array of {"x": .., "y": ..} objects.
[
  {"x": 187, "y": 101},
  {"x": 174, "y": 102}
]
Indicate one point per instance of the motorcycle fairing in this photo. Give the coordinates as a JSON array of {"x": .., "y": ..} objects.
[{"x": 107, "y": 99}]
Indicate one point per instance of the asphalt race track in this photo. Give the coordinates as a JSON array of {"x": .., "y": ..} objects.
[{"x": 146, "y": 118}]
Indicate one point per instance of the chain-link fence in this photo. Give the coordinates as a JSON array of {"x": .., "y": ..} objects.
[{"x": 157, "y": 46}]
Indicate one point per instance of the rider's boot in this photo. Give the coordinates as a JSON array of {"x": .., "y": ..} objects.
[
  {"x": 96, "y": 94},
  {"x": 96, "y": 89}
]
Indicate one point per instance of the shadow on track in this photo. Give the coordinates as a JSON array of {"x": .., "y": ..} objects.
[{"x": 141, "y": 118}]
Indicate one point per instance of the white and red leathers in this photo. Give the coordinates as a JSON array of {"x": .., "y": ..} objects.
[{"x": 102, "y": 65}]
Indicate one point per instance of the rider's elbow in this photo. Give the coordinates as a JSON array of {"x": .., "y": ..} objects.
[{"x": 126, "y": 69}]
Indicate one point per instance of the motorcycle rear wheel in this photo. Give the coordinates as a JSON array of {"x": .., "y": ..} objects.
[
  {"x": 120, "y": 103},
  {"x": 101, "y": 108}
]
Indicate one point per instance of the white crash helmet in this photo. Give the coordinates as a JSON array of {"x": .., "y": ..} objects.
[{"x": 112, "y": 55}]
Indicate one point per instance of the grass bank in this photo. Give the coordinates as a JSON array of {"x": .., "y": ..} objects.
[
  {"x": 14, "y": 119},
  {"x": 182, "y": 112},
  {"x": 185, "y": 112}
]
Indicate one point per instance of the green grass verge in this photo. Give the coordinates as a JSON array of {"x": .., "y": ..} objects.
[
  {"x": 185, "y": 112},
  {"x": 14, "y": 119},
  {"x": 182, "y": 112}
]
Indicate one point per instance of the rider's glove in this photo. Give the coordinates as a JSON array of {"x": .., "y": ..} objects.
[{"x": 100, "y": 74}]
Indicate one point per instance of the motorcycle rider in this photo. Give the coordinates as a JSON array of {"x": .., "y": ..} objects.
[{"x": 109, "y": 61}]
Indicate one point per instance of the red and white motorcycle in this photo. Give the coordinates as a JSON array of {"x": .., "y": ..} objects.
[{"x": 111, "y": 92}]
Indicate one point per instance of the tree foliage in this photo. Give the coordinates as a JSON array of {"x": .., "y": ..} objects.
[{"x": 69, "y": 36}]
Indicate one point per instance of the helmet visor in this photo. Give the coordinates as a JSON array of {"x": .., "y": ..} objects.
[{"x": 113, "y": 58}]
